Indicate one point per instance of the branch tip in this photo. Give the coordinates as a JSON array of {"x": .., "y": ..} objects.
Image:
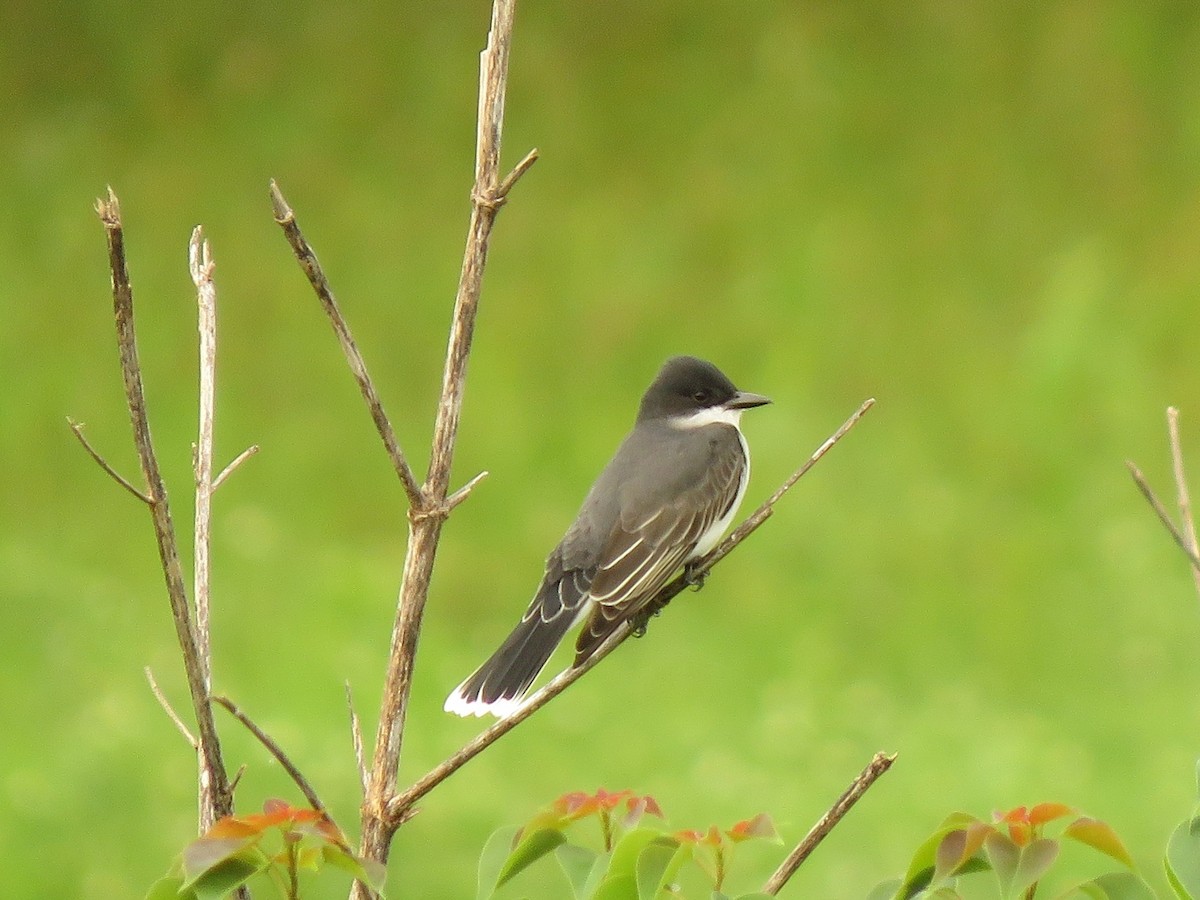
[{"x": 283, "y": 212}]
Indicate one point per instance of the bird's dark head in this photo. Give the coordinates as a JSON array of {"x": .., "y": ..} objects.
[{"x": 691, "y": 391}]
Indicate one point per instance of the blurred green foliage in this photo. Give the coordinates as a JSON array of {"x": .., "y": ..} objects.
[{"x": 985, "y": 215}]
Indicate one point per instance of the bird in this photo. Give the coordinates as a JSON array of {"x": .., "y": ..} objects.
[{"x": 666, "y": 498}]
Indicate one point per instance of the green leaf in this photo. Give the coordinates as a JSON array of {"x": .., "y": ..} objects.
[
  {"x": 623, "y": 887},
  {"x": 371, "y": 873},
  {"x": 206, "y": 853},
  {"x": 757, "y": 895},
  {"x": 1182, "y": 861},
  {"x": 531, "y": 848},
  {"x": 1100, "y": 836},
  {"x": 578, "y": 863},
  {"x": 886, "y": 890},
  {"x": 658, "y": 864},
  {"x": 1115, "y": 886},
  {"x": 495, "y": 852},
  {"x": 170, "y": 888},
  {"x": 1036, "y": 859},
  {"x": 227, "y": 876},
  {"x": 629, "y": 847}
]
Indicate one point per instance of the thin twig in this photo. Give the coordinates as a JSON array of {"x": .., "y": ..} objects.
[
  {"x": 402, "y": 803},
  {"x": 286, "y": 219},
  {"x": 169, "y": 709},
  {"x": 875, "y": 768},
  {"x": 233, "y": 466},
  {"x": 464, "y": 492},
  {"x": 519, "y": 170},
  {"x": 1181, "y": 489},
  {"x": 276, "y": 751},
  {"x": 200, "y": 263},
  {"x": 120, "y": 479},
  {"x": 1161, "y": 511},
  {"x": 357, "y": 738},
  {"x": 215, "y": 798}
]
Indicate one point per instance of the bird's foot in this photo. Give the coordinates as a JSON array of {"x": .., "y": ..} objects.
[{"x": 694, "y": 575}]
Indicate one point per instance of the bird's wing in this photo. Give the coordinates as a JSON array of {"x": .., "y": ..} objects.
[{"x": 639, "y": 557}]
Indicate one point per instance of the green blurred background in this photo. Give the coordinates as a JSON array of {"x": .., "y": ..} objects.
[{"x": 985, "y": 215}]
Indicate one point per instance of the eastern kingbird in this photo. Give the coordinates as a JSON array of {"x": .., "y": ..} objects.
[{"x": 666, "y": 498}]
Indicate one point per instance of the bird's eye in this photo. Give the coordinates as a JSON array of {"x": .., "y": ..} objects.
[{"x": 700, "y": 396}]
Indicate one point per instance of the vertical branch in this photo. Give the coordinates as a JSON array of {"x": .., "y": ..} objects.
[
  {"x": 201, "y": 266},
  {"x": 215, "y": 797},
  {"x": 425, "y": 521}
]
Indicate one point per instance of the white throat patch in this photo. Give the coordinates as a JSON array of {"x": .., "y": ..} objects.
[{"x": 709, "y": 416}]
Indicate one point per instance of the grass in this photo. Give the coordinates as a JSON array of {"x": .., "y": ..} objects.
[{"x": 984, "y": 218}]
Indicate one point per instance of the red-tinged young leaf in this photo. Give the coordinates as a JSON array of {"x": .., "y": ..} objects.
[
  {"x": 712, "y": 837},
  {"x": 605, "y": 800},
  {"x": 760, "y": 826},
  {"x": 273, "y": 806},
  {"x": 951, "y": 853},
  {"x": 230, "y": 827},
  {"x": 688, "y": 836},
  {"x": 1048, "y": 812},
  {"x": 371, "y": 873},
  {"x": 638, "y": 807},
  {"x": 529, "y": 850},
  {"x": 1100, "y": 836},
  {"x": 1004, "y": 855},
  {"x": 1020, "y": 833},
  {"x": 1036, "y": 859}
]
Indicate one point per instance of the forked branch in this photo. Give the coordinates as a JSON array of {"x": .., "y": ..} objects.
[{"x": 215, "y": 796}]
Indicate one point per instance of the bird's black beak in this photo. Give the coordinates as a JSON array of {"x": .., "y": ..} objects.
[{"x": 747, "y": 400}]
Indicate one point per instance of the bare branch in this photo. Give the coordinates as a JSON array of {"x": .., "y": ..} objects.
[
  {"x": 875, "y": 768},
  {"x": 233, "y": 466},
  {"x": 425, "y": 521},
  {"x": 316, "y": 277},
  {"x": 401, "y": 804},
  {"x": 357, "y": 738},
  {"x": 1181, "y": 490},
  {"x": 200, "y": 263},
  {"x": 215, "y": 799},
  {"x": 276, "y": 751},
  {"x": 77, "y": 427},
  {"x": 1140, "y": 480},
  {"x": 170, "y": 710}
]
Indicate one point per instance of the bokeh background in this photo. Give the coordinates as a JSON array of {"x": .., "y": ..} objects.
[{"x": 985, "y": 215}]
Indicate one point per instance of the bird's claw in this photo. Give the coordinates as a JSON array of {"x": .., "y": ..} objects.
[{"x": 693, "y": 575}]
